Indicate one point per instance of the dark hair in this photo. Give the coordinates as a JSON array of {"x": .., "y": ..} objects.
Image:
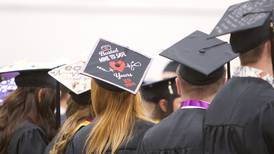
[
  {"x": 35, "y": 104},
  {"x": 252, "y": 56}
]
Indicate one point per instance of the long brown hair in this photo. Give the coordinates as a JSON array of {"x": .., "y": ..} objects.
[
  {"x": 77, "y": 114},
  {"x": 116, "y": 114},
  {"x": 28, "y": 103}
]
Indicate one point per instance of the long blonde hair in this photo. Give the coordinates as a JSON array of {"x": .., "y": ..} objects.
[
  {"x": 70, "y": 126},
  {"x": 116, "y": 114}
]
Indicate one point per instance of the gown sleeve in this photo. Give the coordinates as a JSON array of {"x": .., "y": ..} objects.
[
  {"x": 141, "y": 148},
  {"x": 268, "y": 126},
  {"x": 31, "y": 142},
  {"x": 49, "y": 147},
  {"x": 77, "y": 144}
]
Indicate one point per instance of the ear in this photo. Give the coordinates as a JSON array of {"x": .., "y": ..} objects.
[
  {"x": 267, "y": 48},
  {"x": 178, "y": 86},
  {"x": 163, "y": 105}
]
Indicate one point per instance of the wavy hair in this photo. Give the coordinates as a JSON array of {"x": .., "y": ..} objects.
[
  {"x": 27, "y": 103},
  {"x": 76, "y": 115}
]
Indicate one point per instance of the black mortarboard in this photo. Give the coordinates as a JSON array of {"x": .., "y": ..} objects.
[
  {"x": 171, "y": 66},
  {"x": 78, "y": 84},
  {"x": 155, "y": 91},
  {"x": 201, "y": 58},
  {"x": 117, "y": 68},
  {"x": 82, "y": 99},
  {"x": 248, "y": 22},
  {"x": 31, "y": 75}
]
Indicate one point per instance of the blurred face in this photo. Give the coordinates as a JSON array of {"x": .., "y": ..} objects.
[{"x": 176, "y": 103}]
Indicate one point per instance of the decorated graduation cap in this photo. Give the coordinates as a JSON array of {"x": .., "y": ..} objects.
[
  {"x": 79, "y": 85},
  {"x": 117, "y": 68},
  {"x": 155, "y": 91},
  {"x": 201, "y": 58},
  {"x": 28, "y": 75},
  {"x": 249, "y": 24}
]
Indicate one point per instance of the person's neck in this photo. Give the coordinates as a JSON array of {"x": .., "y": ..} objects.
[
  {"x": 264, "y": 66},
  {"x": 265, "y": 61},
  {"x": 203, "y": 98}
]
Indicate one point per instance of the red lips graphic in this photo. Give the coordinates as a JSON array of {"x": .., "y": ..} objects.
[{"x": 117, "y": 66}]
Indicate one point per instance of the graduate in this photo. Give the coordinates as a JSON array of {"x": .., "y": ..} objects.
[
  {"x": 27, "y": 119},
  {"x": 119, "y": 123},
  {"x": 240, "y": 119},
  {"x": 160, "y": 98},
  {"x": 79, "y": 112},
  {"x": 201, "y": 74}
]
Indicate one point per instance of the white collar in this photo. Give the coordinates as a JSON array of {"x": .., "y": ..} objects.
[{"x": 247, "y": 71}]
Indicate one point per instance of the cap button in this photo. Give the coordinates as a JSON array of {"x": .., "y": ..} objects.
[{"x": 202, "y": 51}]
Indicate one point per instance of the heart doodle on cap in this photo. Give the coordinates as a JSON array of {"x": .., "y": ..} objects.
[{"x": 117, "y": 66}]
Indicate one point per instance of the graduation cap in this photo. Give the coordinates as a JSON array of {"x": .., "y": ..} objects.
[
  {"x": 117, "y": 68},
  {"x": 244, "y": 16},
  {"x": 155, "y": 91},
  {"x": 29, "y": 75},
  {"x": 248, "y": 22},
  {"x": 201, "y": 58},
  {"x": 171, "y": 66},
  {"x": 79, "y": 85}
]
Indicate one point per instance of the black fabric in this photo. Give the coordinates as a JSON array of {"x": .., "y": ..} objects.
[
  {"x": 179, "y": 133},
  {"x": 35, "y": 78},
  {"x": 50, "y": 145},
  {"x": 196, "y": 78},
  {"x": 243, "y": 16},
  {"x": 171, "y": 67},
  {"x": 77, "y": 145},
  {"x": 82, "y": 99},
  {"x": 155, "y": 91},
  {"x": 240, "y": 119},
  {"x": 28, "y": 139},
  {"x": 246, "y": 40},
  {"x": 200, "y": 53}
]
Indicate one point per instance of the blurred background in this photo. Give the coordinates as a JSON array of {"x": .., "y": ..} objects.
[{"x": 67, "y": 30}]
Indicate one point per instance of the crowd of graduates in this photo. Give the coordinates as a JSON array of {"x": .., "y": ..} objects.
[{"x": 103, "y": 105}]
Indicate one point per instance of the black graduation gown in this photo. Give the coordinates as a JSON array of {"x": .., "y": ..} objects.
[
  {"x": 28, "y": 139},
  {"x": 76, "y": 146},
  {"x": 50, "y": 145},
  {"x": 240, "y": 120},
  {"x": 179, "y": 133}
]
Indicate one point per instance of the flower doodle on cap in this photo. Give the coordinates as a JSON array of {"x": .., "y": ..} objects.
[
  {"x": 129, "y": 83},
  {"x": 118, "y": 65}
]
